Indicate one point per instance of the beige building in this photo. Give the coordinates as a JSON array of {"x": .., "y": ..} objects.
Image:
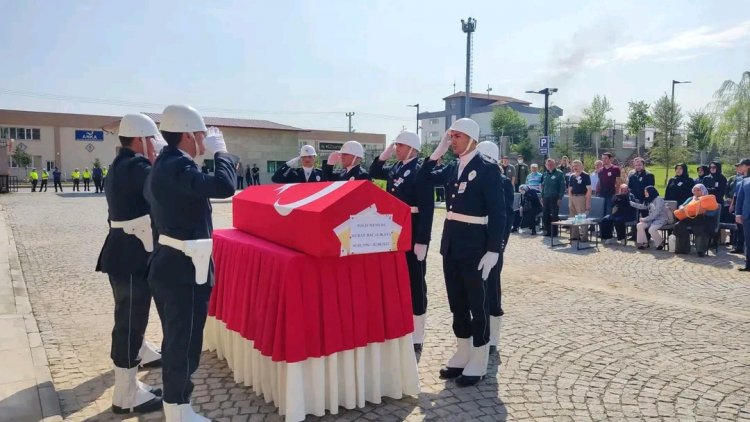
[{"x": 71, "y": 141}]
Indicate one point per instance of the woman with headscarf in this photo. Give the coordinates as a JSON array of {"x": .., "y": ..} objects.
[
  {"x": 702, "y": 225},
  {"x": 680, "y": 187},
  {"x": 656, "y": 218},
  {"x": 531, "y": 206},
  {"x": 702, "y": 172},
  {"x": 718, "y": 185}
]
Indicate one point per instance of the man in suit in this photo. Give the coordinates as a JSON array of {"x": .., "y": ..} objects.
[
  {"x": 289, "y": 173},
  {"x": 349, "y": 157},
  {"x": 471, "y": 245},
  {"x": 124, "y": 258},
  {"x": 180, "y": 272},
  {"x": 742, "y": 212},
  {"x": 402, "y": 183}
]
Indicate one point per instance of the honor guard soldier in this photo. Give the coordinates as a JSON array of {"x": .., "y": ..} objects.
[
  {"x": 402, "y": 183},
  {"x": 289, "y": 173},
  {"x": 491, "y": 152},
  {"x": 349, "y": 156},
  {"x": 471, "y": 245},
  {"x": 124, "y": 258},
  {"x": 180, "y": 271}
]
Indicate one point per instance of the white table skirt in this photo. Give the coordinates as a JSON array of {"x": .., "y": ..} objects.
[{"x": 348, "y": 378}]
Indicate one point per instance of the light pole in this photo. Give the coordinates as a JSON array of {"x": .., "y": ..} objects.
[
  {"x": 417, "y": 106},
  {"x": 468, "y": 26},
  {"x": 672, "y": 116},
  {"x": 349, "y": 115},
  {"x": 546, "y": 92}
]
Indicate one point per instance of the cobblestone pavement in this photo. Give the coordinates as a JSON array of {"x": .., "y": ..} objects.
[{"x": 614, "y": 334}]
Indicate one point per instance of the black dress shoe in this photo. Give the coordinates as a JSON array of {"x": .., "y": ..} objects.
[
  {"x": 493, "y": 350},
  {"x": 153, "y": 364},
  {"x": 468, "y": 380},
  {"x": 450, "y": 373},
  {"x": 156, "y": 391},
  {"x": 701, "y": 254},
  {"x": 737, "y": 251},
  {"x": 150, "y": 406},
  {"x": 417, "y": 348},
  {"x": 743, "y": 269}
]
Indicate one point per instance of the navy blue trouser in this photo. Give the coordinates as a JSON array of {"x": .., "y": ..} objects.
[
  {"x": 183, "y": 309},
  {"x": 468, "y": 299},
  {"x": 132, "y": 304},
  {"x": 746, "y": 232},
  {"x": 417, "y": 272}
]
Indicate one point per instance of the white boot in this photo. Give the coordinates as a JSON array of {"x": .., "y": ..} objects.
[
  {"x": 148, "y": 354},
  {"x": 132, "y": 395},
  {"x": 461, "y": 357},
  {"x": 419, "y": 324},
  {"x": 495, "y": 322},
  {"x": 478, "y": 359},
  {"x": 182, "y": 413}
]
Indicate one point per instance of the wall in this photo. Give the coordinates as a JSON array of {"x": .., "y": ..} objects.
[
  {"x": 73, "y": 154},
  {"x": 257, "y": 146}
]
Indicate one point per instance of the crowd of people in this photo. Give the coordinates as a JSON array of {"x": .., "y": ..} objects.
[{"x": 98, "y": 174}]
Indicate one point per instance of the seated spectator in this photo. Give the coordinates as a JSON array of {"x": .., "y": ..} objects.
[
  {"x": 534, "y": 179},
  {"x": 702, "y": 224},
  {"x": 656, "y": 218},
  {"x": 622, "y": 213},
  {"x": 702, "y": 172},
  {"x": 680, "y": 187},
  {"x": 531, "y": 206}
]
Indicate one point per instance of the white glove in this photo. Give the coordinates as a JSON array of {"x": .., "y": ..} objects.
[
  {"x": 214, "y": 141},
  {"x": 293, "y": 162},
  {"x": 420, "y": 251},
  {"x": 488, "y": 261},
  {"x": 388, "y": 152},
  {"x": 334, "y": 158},
  {"x": 442, "y": 147}
]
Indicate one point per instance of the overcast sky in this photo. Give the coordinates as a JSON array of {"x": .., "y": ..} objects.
[{"x": 306, "y": 63}]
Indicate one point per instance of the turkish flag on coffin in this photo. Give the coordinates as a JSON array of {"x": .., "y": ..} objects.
[{"x": 319, "y": 219}]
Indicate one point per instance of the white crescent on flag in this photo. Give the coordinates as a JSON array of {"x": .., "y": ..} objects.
[{"x": 286, "y": 209}]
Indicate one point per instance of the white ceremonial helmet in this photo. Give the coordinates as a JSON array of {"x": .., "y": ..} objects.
[
  {"x": 409, "y": 139},
  {"x": 489, "y": 150},
  {"x": 466, "y": 126},
  {"x": 307, "y": 151},
  {"x": 137, "y": 126},
  {"x": 182, "y": 118},
  {"x": 354, "y": 148}
]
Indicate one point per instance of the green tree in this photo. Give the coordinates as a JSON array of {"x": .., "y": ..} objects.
[
  {"x": 21, "y": 157},
  {"x": 638, "y": 118},
  {"x": 508, "y": 122},
  {"x": 525, "y": 148},
  {"x": 732, "y": 106},
  {"x": 667, "y": 150},
  {"x": 700, "y": 128},
  {"x": 595, "y": 117}
]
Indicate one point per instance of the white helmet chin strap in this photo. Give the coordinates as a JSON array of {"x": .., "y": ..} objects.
[{"x": 471, "y": 140}]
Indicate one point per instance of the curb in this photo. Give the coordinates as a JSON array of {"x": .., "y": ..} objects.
[{"x": 48, "y": 397}]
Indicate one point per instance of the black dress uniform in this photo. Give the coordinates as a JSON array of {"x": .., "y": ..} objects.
[
  {"x": 179, "y": 193},
  {"x": 403, "y": 184},
  {"x": 286, "y": 174},
  {"x": 476, "y": 193},
  {"x": 123, "y": 257},
  {"x": 356, "y": 173},
  {"x": 495, "y": 285}
]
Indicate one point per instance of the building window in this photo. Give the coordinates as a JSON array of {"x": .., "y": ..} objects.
[
  {"x": 26, "y": 134},
  {"x": 434, "y": 134},
  {"x": 272, "y": 166},
  {"x": 434, "y": 121}
]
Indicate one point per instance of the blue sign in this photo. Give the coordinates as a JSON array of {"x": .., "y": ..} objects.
[
  {"x": 90, "y": 135},
  {"x": 543, "y": 151},
  {"x": 543, "y": 143}
]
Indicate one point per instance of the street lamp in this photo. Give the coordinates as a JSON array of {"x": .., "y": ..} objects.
[
  {"x": 417, "y": 106},
  {"x": 674, "y": 82},
  {"x": 546, "y": 92}
]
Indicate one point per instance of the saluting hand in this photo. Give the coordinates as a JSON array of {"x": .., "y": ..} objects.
[
  {"x": 293, "y": 162},
  {"x": 214, "y": 141},
  {"x": 442, "y": 147},
  {"x": 388, "y": 152},
  {"x": 334, "y": 158}
]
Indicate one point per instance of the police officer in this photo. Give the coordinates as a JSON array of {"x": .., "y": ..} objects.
[
  {"x": 180, "y": 271},
  {"x": 124, "y": 258},
  {"x": 402, "y": 183},
  {"x": 471, "y": 245},
  {"x": 86, "y": 180},
  {"x": 349, "y": 156},
  {"x": 76, "y": 176},
  {"x": 45, "y": 179},
  {"x": 97, "y": 175},
  {"x": 34, "y": 177},
  {"x": 289, "y": 173},
  {"x": 105, "y": 171},
  {"x": 491, "y": 152},
  {"x": 56, "y": 178}
]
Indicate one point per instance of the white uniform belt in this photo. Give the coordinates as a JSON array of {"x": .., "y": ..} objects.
[
  {"x": 198, "y": 250},
  {"x": 471, "y": 219},
  {"x": 414, "y": 210},
  {"x": 139, "y": 227}
]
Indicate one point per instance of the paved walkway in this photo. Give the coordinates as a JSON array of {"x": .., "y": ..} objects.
[
  {"x": 618, "y": 334},
  {"x": 26, "y": 390}
]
